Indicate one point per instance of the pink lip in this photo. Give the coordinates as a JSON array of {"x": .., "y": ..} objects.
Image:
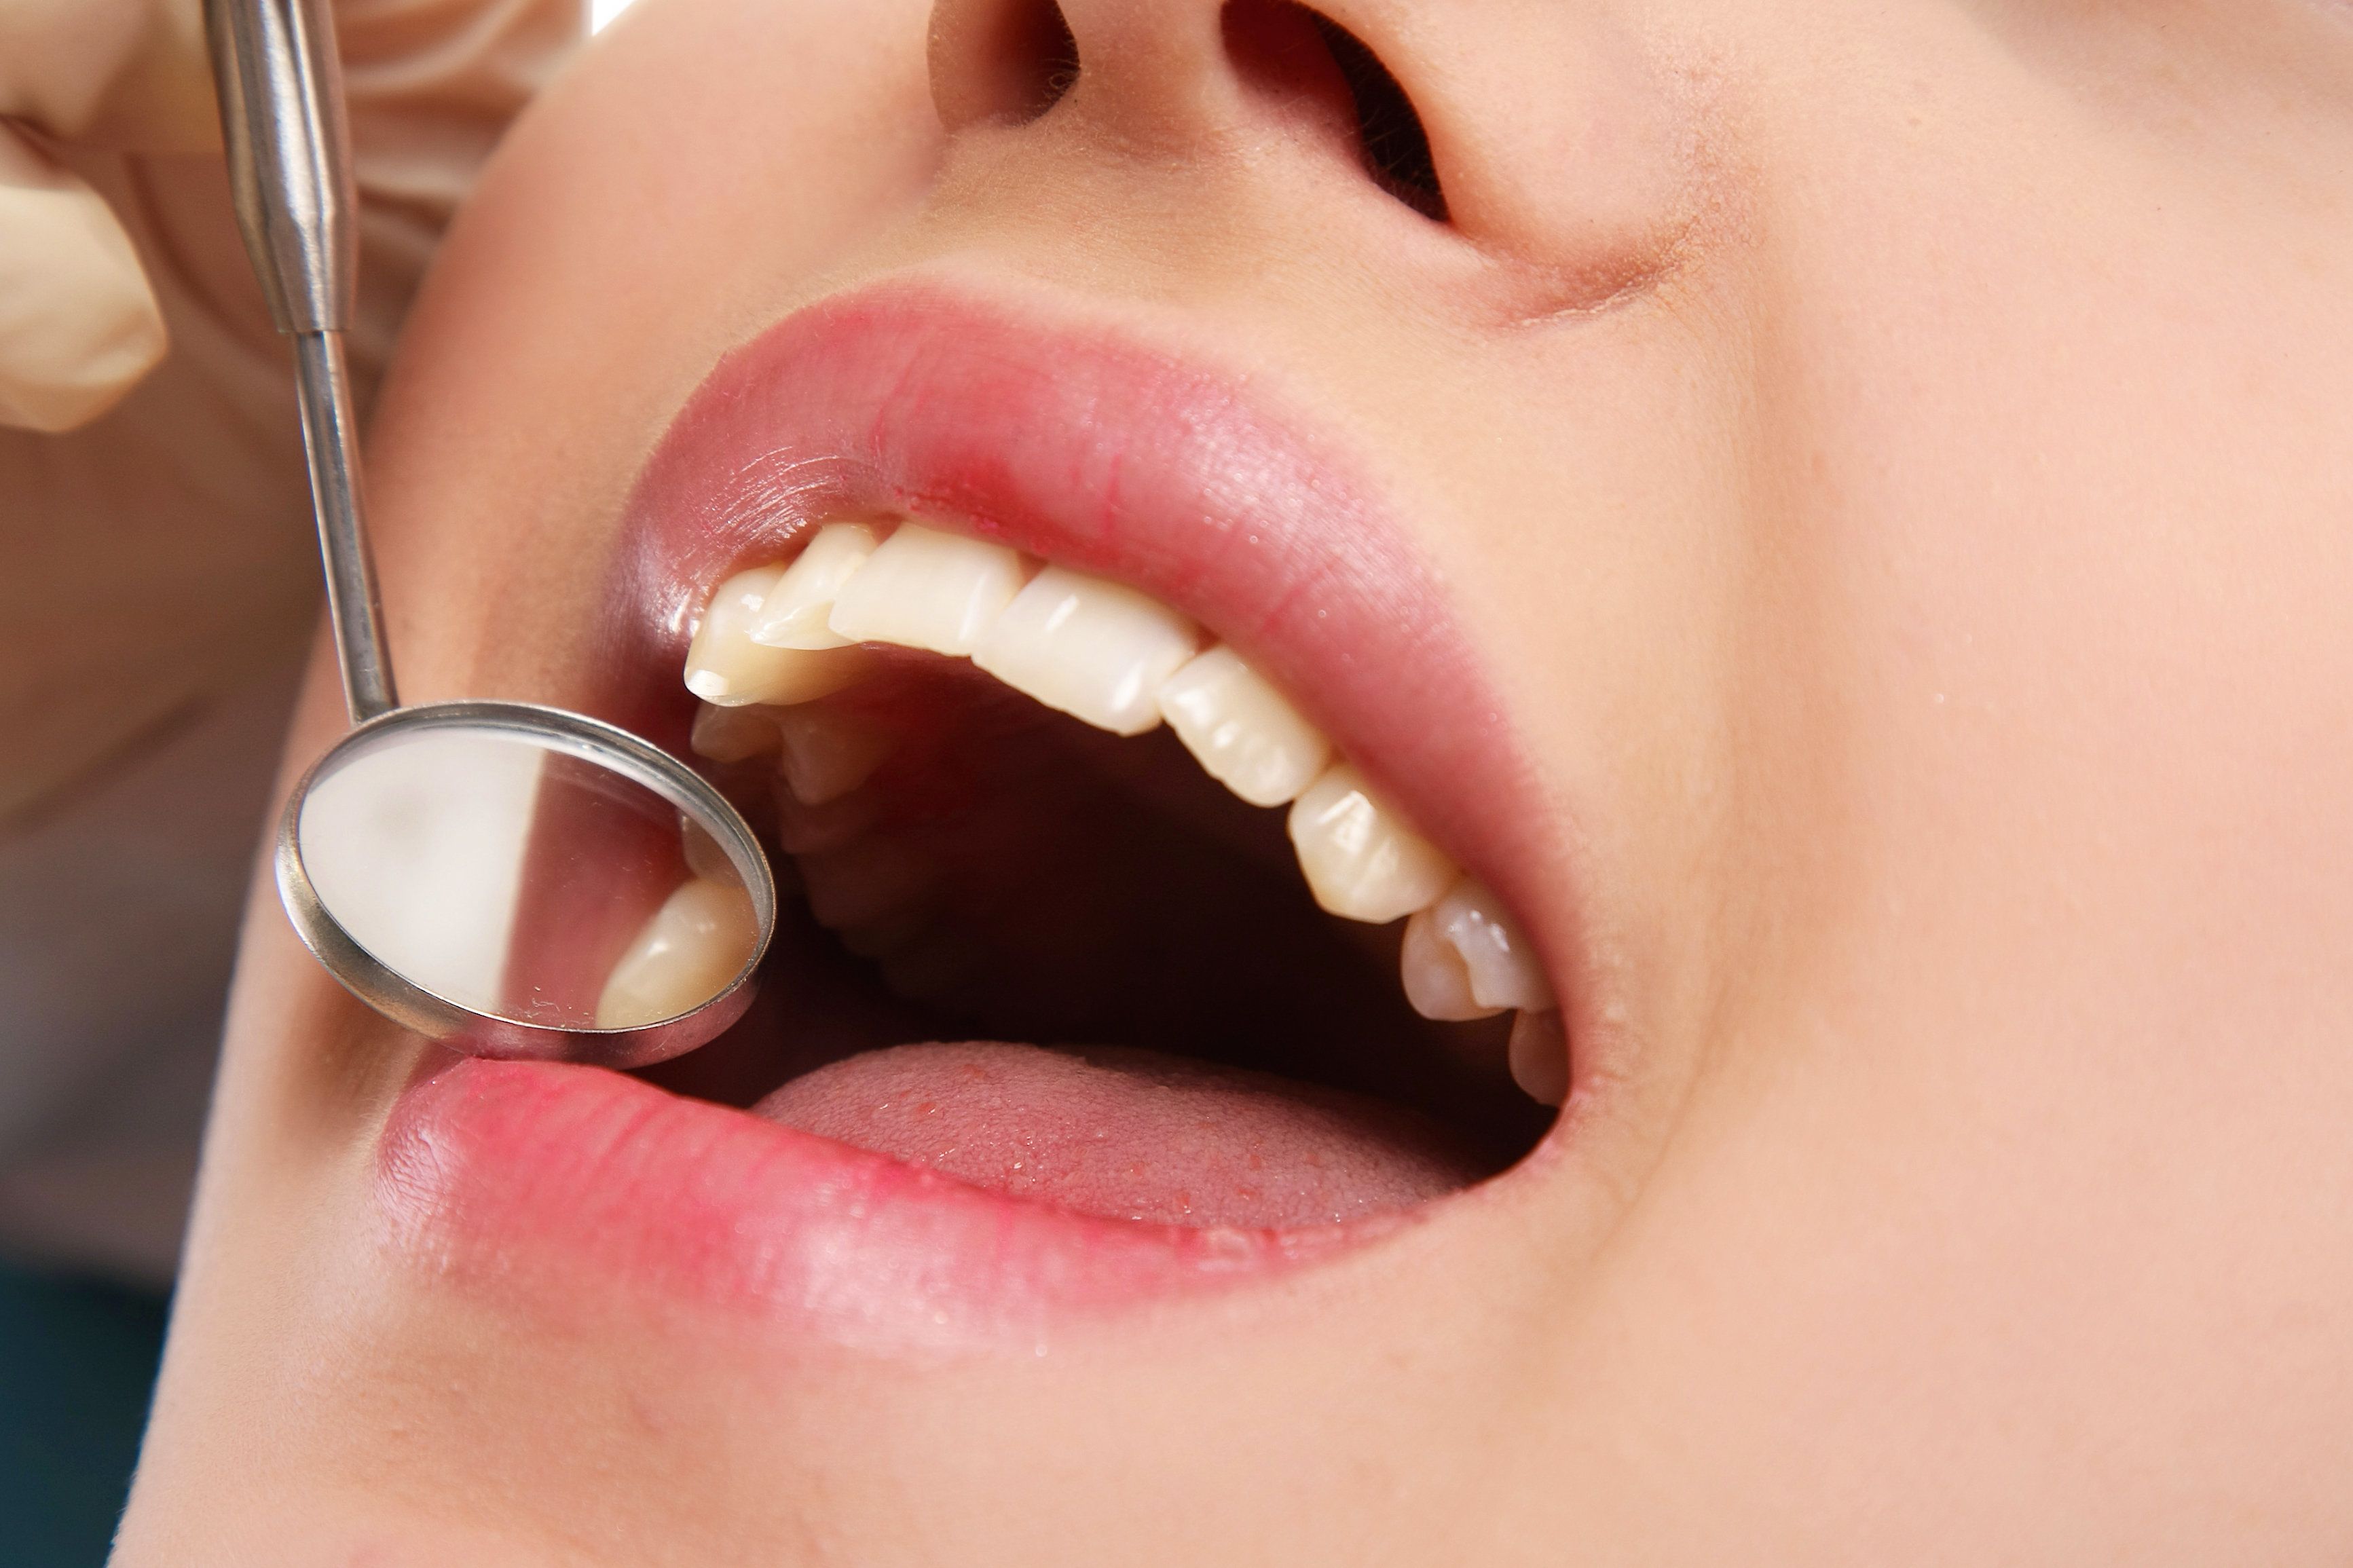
[{"x": 1083, "y": 444}]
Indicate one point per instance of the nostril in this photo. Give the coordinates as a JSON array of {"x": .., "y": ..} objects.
[
  {"x": 1292, "y": 51},
  {"x": 1395, "y": 147},
  {"x": 1003, "y": 60}
]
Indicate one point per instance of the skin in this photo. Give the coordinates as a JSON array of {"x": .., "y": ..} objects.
[{"x": 1894, "y": 462}]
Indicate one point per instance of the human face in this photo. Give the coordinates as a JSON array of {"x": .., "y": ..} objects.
[{"x": 1843, "y": 526}]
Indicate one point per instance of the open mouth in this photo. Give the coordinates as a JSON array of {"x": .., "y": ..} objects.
[{"x": 1147, "y": 834}]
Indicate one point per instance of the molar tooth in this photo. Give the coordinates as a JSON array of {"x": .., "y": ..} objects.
[
  {"x": 1539, "y": 1051},
  {"x": 725, "y": 666},
  {"x": 1241, "y": 731},
  {"x": 1097, "y": 650},
  {"x": 686, "y": 950},
  {"x": 923, "y": 588},
  {"x": 1437, "y": 982},
  {"x": 1498, "y": 961},
  {"x": 827, "y": 753},
  {"x": 794, "y": 613},
  {"x": 731, "y": 734},
  {"x": 1360, "y": 859}
]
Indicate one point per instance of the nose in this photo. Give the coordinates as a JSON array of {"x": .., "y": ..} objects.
[{"x": 1163, "y": 78}]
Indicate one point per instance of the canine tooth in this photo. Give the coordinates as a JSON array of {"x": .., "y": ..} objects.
[
  {"x": 725, "y": 666},
  {"x": 731, "y": 734},
  {"x": 1437, "y": 982},
  {"x": 1497, "y": 958},
  {"x": 1539, "y": 1052},
  {"x": 1241, "y": 731},
  {"x": 795, "y": 611},
  {"x": 686, "y": 950},
  {"x": 1097, "y": 650},
  {"x": 1360, "y": 859},
  {"x": 923, "y": 588},
  {"x": 827, "y": 754}
]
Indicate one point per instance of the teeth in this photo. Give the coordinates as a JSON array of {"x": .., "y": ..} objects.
[
  {"x": 1241, "y": 731},
  {"x": 922, "y": 588},
  {"x": 1540, "y": 1057},
  {"x": 1437, "y": 982},
  {"x": 688, "y": 949},
  {"x": 1094, "y": 650},
  {"x": 827, "y": 755},
  {"x": 1467, "y": 933},
  {"x": 813, "y": 829},
  {"x": 725, "y": 666},
  {"x": 733, "y": 734},
  {"x": 794, "y": 615},
  {"x": 1360, "y": 859}
]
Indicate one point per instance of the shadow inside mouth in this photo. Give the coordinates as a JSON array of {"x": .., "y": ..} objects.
[{"x": 1012, "y": 876}]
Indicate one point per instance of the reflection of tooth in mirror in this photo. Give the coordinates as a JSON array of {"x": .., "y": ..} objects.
[
  {"x": 415, "y": 848},
  {"x": 686, "y": 954}
]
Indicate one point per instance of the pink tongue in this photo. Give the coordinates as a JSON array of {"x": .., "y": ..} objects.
[{"x": 1128, "y": 1134}]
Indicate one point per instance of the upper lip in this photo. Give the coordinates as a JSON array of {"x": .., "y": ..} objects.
[{"x": 1090, "y": 445}]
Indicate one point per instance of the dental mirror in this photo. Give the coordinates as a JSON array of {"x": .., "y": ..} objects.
[{"x": 512, "y": 879}]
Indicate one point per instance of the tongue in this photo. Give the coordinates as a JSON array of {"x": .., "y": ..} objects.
[{"x": 1128, "y": 1134}]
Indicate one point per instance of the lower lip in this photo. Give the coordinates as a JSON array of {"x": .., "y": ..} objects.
[{"x": 524, "y": 1177}]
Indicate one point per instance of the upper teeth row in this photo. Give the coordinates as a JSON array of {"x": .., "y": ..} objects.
[{"x": 780, "y": 636}]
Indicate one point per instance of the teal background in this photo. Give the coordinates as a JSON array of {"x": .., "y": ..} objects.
[{"x": 76, "y": 1365}]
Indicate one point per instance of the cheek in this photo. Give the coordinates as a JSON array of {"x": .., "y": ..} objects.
[{"x": 596, "y": 273}]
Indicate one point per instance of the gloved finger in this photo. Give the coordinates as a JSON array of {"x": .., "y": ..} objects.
[
  {"x": 78, "y": 323},
  {"x": 131, "y": 75}
]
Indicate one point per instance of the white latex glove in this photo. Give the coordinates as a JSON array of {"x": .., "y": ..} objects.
[{"x": 156, "y": 561}]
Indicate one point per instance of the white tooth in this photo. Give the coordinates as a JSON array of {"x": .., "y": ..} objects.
[
  {"x": 724, "y": 666},
  {"x": 1497, "y": 957},
  {"x": 1241, "y": 731},
  {"x": 1540, "y": 1057},
  {"x": 827, "y": 755},
  {"x": 1360, "y": 859},
  {"x": 1436, "y": 982},
  {"x": 923, "y": 588},
  {"x": 795, "y": 611},
  {"x": 690, "y": 948},
  {"x": 733, "y": 734},
  {"x": 1099, "y": 651}
]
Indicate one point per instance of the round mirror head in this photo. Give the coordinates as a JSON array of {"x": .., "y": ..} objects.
[{"x": 520, "y": 881}]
